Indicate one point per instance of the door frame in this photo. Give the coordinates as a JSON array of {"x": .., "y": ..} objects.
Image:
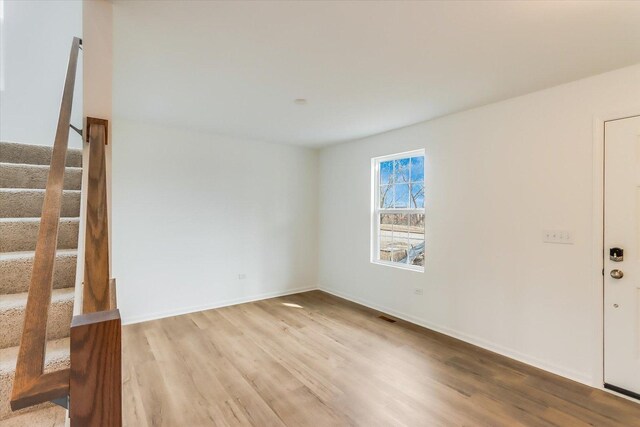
[{"x": 599, "y": 122}]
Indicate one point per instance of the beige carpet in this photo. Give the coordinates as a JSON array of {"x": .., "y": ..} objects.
[{"x": 23, "y": 177}]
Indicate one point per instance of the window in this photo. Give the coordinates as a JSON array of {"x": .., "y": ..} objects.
[
  {"x": 2, "y": 47},
  {"x": 398, "y": 210}
]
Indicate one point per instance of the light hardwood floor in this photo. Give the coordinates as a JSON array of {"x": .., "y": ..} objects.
[{"x": 313, "y": 359}]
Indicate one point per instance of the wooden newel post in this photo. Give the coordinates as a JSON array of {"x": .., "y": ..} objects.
[
  {"x": 96, "y": 256},
  {"x": 95, "y": 378},
  {"x": 95, "y": 397}
]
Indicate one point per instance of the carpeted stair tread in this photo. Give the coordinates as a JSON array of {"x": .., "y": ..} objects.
[
  {"x": 46, "y": 415},
  {"x": 24, "y": 171},
  {"x": 56, "y": 358},
  {"x": 26, "y": 202},
  {"x": 14, "y": 152},
  {"x": 57, "y": 354},
  {"x": 18, "y": 175},
  {"x": 21, "y": 234},
  {"x": 16, "y": 267},
  {"x": 12, "y": 309}
]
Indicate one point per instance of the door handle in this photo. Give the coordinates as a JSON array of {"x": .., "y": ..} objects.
[{"x": 617, "y": 274}]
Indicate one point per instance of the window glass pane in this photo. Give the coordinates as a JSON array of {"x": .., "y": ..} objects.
[
  {"x": 386, "y": 221},
  {"x": 394, "y": 241},
  {"x": 386, "y": 196},
  {"x": 400, "y": 223},
  {"x": 401, "y": 170},
  {"x": 417, "y": 195},
  {"x": 417, "y": 169},
  {"x": 416, "y": 225},
  {"x": 400, "y": 243},
  {"x": 386, "y": 237},
  {"x": 399, "y": 248},
  {"x": 416, "y": 252},
  {"x": 386, "y": 172},
  {"x": 416, "y": 240},
  {"x": 401, "y": 196}
]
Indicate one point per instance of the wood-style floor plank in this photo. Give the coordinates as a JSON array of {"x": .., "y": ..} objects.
[{"x": 313, "y": 359}]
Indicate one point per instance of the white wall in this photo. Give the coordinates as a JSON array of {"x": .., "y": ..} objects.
[
  {"x": 36, "y": 40},
  {"x": 97, "y": 61},
  {"x": 192, "y": 211},
  {"x": 496, "y": 176},
  {"x": 98, "y": 58}
]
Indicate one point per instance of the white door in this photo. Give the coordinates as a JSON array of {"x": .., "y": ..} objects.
[{"x": 622, "y": 268}]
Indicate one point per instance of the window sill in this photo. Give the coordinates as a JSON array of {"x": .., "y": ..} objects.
[{"x": 415, "y": 268}]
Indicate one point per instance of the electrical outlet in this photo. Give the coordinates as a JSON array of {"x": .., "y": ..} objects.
[
  {"x": 418, "y": 291},
  {"x": 242, "y": 276},
  {"x": 562, "y": 237}
]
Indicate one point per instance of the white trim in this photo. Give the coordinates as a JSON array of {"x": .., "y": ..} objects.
[
  {"x": 375, "y": 210},
  {"x": 405, "y": 211},
  {"x": 597, "y": 379},
  {"x": 2, "y": 47},
  {"x": 487, "y": 345},
  {"x": 130, "y": 320},
  {"x": 403, "y": 155},
  {"x": 409, "y": 267}
]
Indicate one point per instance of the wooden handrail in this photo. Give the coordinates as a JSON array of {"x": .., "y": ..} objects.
[
  {"x": 96, "y": 254},
  {"x": 94, "y": 380},
  {"x": 31, "y": 385}
]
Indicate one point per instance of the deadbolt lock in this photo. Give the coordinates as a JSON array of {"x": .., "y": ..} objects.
[{"x": 616, "y": 254}]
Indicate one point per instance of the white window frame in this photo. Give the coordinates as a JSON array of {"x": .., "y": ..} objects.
[
  {"x": 2, "y": 46},
  {"x": 376, "y": 210}
]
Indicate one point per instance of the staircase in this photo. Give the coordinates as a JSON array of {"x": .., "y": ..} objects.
[{"x": 23, "y": 177}]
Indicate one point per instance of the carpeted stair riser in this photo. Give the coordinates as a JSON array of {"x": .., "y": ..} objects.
[
  {"x": 11, "y": 152},
  {"x": 27, "y": 203},
  {"x": 21, "y": 234},
  {"x": 12, "y": 309},
  {"x": 24, "y": 171},
  {"x": 15, "y": 271},
  {"x": 56, "y": 358},
  {"x": 15, "y": 175},
  {"x": 45, "y": 415}
]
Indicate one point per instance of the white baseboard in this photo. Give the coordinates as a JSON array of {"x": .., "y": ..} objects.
[
  {"x": 129, "y": 320},
  {"x": 487, "y": 345}
]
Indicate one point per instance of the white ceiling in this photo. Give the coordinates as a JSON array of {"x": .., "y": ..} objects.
[{"x": 235, "y": 68}]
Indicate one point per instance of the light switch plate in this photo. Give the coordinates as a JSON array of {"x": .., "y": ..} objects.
[{"x": 562, "y": 237}]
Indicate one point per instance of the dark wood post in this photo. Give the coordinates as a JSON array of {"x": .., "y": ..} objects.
[
  {"x": 95, "y": 397},
  {"x": 96, "y": 255}
]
